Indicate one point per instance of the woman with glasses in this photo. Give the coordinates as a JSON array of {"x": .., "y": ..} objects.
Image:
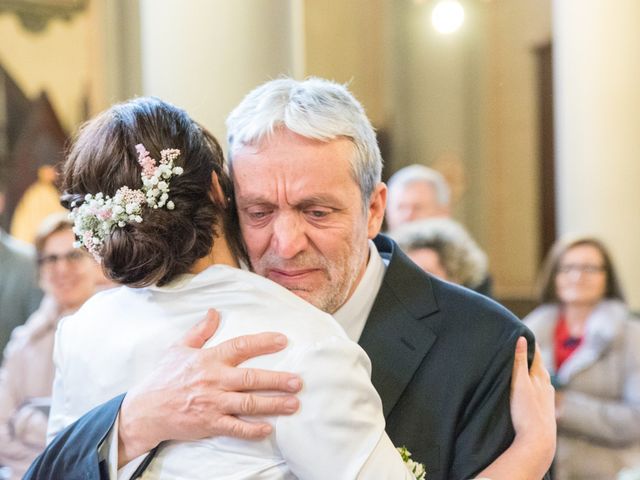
[
  {"x": 68, "y": 276},
  {"x": 590, "y": 343}
]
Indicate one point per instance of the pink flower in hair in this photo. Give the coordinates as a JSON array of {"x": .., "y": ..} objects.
[
  {"x": 104, "y": 214},
  {"x": 147, "y": 163}
]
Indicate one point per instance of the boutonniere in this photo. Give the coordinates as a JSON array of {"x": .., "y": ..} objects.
[{"x": 416, "y": 468}]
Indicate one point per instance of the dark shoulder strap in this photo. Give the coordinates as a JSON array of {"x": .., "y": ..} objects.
[{"x": 145, "y": 463}]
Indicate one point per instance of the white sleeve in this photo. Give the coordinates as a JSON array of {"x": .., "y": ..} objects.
[
  {"x": 338, "y": 432},
  {"x": 58, "y": 418}
]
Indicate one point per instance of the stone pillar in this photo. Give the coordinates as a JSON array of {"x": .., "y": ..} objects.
[
  {"x": 206, "y": 56},
  {"x": 597, "y": 101}
]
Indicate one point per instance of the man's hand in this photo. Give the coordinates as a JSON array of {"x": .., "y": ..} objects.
[{"x": 197, "y": 392}]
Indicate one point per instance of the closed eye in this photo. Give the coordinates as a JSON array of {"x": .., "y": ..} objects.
[
  {"x": 317, "y": 214},
  {"x": 258, "y": 214}
]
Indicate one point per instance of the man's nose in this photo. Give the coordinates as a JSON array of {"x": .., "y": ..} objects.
[{"x": 289, "y": 235}]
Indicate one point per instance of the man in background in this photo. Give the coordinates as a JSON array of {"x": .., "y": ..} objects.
[
  {"x": 416, "y": 193},
  {"x": 19, "y": 292}
]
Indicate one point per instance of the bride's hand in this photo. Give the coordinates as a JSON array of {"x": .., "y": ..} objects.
[
  {"x": 196, "y": 393},
  {"x": 533, "y": 401},
  {"x": 532, "y": 412}
]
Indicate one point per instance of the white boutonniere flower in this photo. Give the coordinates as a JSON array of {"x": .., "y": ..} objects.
[{"x": 416, "y": 468}]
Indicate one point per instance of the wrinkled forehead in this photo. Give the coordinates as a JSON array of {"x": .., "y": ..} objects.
[
  {"x": 282, "y": 133},
  {"x": 311, "y": 149}
]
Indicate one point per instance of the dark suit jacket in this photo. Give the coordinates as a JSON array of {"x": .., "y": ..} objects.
[
  {"x": 73, "y": 454},
  {"x": 442, "y": 357}
]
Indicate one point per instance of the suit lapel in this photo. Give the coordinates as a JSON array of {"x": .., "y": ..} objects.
[{"x": 396, "y": 336}]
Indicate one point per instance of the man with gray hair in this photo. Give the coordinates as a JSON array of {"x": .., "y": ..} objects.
[
  {"x": 417, "y": 192},
  {"x": 306, "y": 171}
]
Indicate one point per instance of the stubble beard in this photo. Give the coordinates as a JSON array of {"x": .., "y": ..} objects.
[{"x": 340, "y": 275}]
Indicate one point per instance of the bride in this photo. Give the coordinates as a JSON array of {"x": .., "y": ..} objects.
[{"x": 152, "y": 201}]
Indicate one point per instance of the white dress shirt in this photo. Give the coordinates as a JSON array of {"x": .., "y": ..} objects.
[
  {"x": 118, "y": 337},
  {"x": 352, "y": 316}
]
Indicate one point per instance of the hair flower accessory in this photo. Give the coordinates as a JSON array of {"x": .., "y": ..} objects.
[{"x": 100, "y": 214}]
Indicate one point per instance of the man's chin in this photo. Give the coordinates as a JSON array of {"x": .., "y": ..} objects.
[{"x": 318, "y": 301}]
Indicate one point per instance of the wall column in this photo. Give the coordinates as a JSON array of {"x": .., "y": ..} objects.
[
  {"x": 207, "y": 56},
  {"x": 597, "y": 101}
]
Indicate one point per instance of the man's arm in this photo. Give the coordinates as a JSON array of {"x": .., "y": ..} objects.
[
  {"x": 532, "y": 411},
  {"x": 485, "y": 429},
  {"x": 194, "y": 393}
]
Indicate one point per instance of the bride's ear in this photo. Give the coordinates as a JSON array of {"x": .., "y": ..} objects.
[{"x": 216, "y": 191}]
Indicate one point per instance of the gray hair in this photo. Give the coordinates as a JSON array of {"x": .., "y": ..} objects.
[
  {"x": 313, "y": 108},
  {"x": 419, "y": 173},
  {"x": 460, "y": 256}
]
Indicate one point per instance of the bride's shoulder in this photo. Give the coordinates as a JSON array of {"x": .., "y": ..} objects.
[{"x": 104, "y": 303}]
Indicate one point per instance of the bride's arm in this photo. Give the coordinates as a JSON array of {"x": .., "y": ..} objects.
[{"x": 532, "y": 411}]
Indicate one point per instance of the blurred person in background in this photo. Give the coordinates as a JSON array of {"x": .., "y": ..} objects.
[
  {"x": 19, "y": 292},
  {"x": 68, "y": 277},
  {"x": 417, "y": 193},
  {"x": 589, "y": 341},
  {"x": 443, "y": 248}
]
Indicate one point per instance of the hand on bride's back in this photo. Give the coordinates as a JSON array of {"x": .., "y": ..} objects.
[{"x": 198, "y": 392}]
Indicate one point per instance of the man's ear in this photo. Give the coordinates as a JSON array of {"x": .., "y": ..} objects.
[
  {"x": 375, "y": 209},
  {"x": 216, "y": 191}
]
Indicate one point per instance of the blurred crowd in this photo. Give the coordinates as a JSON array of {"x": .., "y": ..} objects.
[
  {"x": 39, "y": 285},
  {"x": 586, "y": 333}
]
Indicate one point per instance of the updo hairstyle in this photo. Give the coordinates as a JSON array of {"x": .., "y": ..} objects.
[{"x": 166, "y": 243}]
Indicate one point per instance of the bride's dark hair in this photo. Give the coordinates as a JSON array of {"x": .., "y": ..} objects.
[{"x": 166, "y": 243}]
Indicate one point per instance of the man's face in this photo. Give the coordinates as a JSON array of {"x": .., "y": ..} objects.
[
  {"x": 302, "y": 216},
  {"x": 413, "y": 201}
]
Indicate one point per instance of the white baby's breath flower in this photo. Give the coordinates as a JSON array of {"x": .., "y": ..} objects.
[
  {"x": 96, "y": 218},
  {"x": 416, "y": 468}
]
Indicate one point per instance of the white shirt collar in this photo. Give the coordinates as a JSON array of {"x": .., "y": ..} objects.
[{"x": 353, "y": 315}]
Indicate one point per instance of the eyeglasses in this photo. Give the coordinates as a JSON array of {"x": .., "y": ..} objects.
[
  {"x": 578, "y": 268},
  {"x": 72, "y": 257}
]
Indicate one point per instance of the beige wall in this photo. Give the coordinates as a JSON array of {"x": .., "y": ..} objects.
[
  {"x": 467, "y": 102},
  {"x": 345, "y": 42},
  {"x": 516, "y": 27},
  {"x": 218, "y": 51},
  {"x": 56, "y": 60}
]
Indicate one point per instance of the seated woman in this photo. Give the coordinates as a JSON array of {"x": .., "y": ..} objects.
[
  {"x": 589, "y": 340},
  {"x": 443, "y": 247},
  {"x": 166, "y": 231},
  {"x": 68, "y": 277}
]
